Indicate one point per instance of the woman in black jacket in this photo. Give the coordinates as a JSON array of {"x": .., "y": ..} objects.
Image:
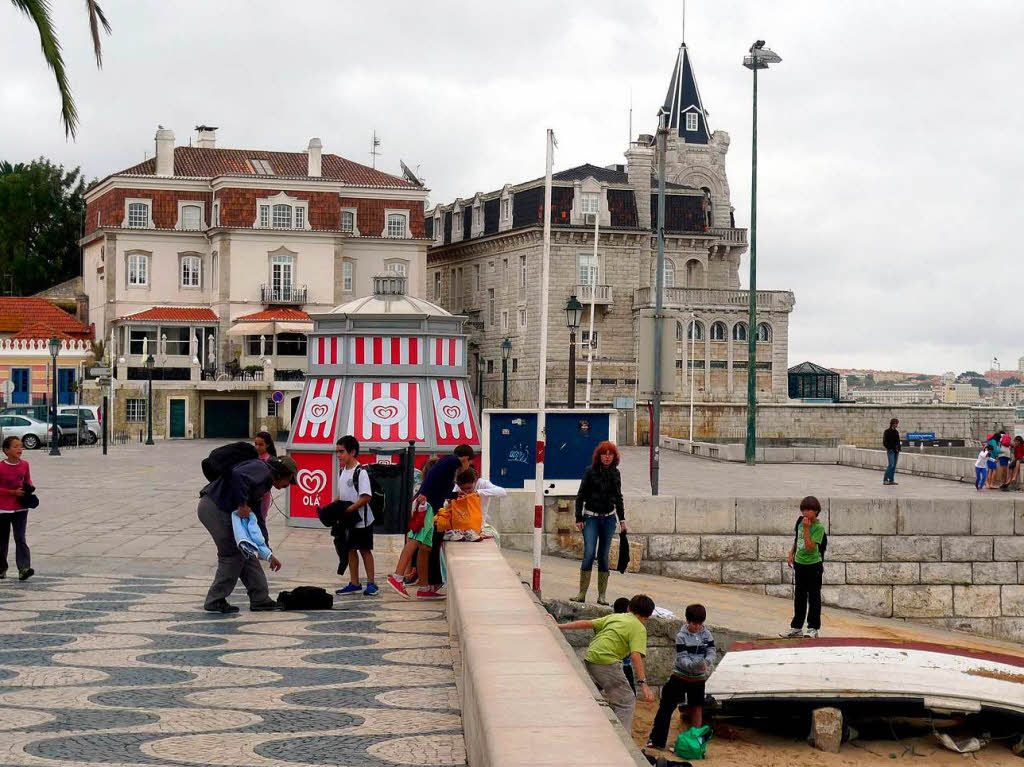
[{"x": 598, "y": 507}]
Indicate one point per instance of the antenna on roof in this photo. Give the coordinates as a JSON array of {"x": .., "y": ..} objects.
[
  {"x": 683, "y": 40},
  {"x": 629, "y": 138},
  {"x": 374, "y": 143}
]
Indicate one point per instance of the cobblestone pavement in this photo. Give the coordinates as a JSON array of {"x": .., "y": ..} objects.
[{"x": 128, "y": 670}]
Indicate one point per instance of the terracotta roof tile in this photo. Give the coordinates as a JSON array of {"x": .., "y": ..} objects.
[
  {"x": 37, "y": 315},
  {"x": 194, "y": 162},
  {"x": 281, "y": 314},
  {"x": 173, "y": 314}
]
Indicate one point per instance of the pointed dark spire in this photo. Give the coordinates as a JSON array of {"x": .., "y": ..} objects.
[{"x": 683, "y": 98}]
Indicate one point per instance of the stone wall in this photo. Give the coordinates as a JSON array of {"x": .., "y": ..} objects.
[
  {"x": 853, "y": 424},
  {"x": 954, "y": 563}
]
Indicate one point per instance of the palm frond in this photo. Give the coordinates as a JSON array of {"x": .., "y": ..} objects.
[
  {"x": 96, "y": 18},
  {"x": 39, "y": 12}
]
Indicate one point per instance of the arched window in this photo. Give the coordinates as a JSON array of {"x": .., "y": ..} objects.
[
  {"x": 739, "y": 331},
  {"x": 191, "y": 271},
  {"x": 718, "y": 331},
  {"x": 694, "y": 274},
  {"x": 695, "y": 327},
  {"x": 764, "y": 333},
  {"x": 670, "y": 274}
]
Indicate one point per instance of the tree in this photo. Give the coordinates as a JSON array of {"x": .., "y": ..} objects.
[
  {"x": 39, "y": 12},
  {"x": 1011, "y": 381},
  {"x": 981, "y": 383},
  {"x": 42, "y": 207}
]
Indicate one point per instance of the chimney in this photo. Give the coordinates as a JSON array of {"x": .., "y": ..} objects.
[
  {"x": 206, "y": 137},
  {"x": 315, "y": 147},
  {"x": 164, "y": 151}
]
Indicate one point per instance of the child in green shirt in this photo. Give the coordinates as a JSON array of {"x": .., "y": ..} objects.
[
  {"x": 616, "y": 636},
  {"x": 805, "y": 559}
]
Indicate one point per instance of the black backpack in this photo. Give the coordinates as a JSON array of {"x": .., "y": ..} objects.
[
  {"x": 305, "y": 598},
  {"x": 378, "y": 498},
  {"x": 224, "y": 458},
  {"x": 822, "y": 547}
]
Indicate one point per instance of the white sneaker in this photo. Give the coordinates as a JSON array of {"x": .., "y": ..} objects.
[
  {"x": 792, "y": 634},
  {"x": 811, "y": 633}
]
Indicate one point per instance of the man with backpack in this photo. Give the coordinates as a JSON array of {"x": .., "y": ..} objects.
[
  {"x": 807, "y": 560},
  {"x": 238, "y": 486},
  {"x": 354, "y": 489}
]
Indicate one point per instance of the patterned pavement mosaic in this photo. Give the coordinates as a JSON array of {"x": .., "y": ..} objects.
[{"x": 126, "y": 671}]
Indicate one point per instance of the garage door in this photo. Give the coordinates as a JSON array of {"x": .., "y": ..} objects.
[{"x": 226, "y": 418}]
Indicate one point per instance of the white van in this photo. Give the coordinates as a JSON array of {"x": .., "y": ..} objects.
[{"x": 91, "y": 414}]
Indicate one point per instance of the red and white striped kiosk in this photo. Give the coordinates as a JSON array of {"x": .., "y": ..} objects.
[{"x": 387, "y": 368}]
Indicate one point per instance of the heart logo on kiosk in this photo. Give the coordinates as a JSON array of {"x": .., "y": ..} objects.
[
  {"x": 385, "y": 411},
  {"x": 311, "y": 481},
  {"x": 319, "y": 409},
  {"x": 450, "y": 410}
]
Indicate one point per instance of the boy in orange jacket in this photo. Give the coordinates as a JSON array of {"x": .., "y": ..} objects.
[{"x": 462, "y": 518}]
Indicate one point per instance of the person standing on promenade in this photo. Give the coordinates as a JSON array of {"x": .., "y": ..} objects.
[
  {"x": 15, "y": 487},
  {"x": 266, "y": 450},
  {"x": 598, "y": 506},
  {"x": 891, "y": 443}
]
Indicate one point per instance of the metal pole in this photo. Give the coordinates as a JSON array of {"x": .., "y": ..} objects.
[
  {"x": 751, "y": 344},
  {"x": 504, "y": 381},
  {"x": 659, "y": 290},
  {"x": 479, "y": 388},
  {"x": 54, "y": 438},
  {"x": 693, "y": 366},
  {"x": 572, "y": 368},
  {"x": 594, "y": 275},
  {"x": 149, "y": 409},
  {"x": 538, "y": 498},
  {"x": 105, "y": 426}
]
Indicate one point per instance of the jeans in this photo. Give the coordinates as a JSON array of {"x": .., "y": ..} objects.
[
  {"x": 615, "y": 688},
  {"x": 18, "y": 521},
  {"x": 597, "y": 539},
  {"x": 980, "y": 474},
  {"x": 890, "y": 471},
  {"x": 807, "y": 595}
]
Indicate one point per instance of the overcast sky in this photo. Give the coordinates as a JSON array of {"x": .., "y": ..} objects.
[{"x": 889, "y": 160}]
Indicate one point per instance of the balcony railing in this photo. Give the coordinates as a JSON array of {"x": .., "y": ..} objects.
[
  {"x": 706, "y": 298},
  {"x": 729, "y": 234},
  {"x": 232, "y": 372},
  {"x": 603, "y": 294},
  {"x": 289, "y": 375},
  {"x": 270, "y": 294}
]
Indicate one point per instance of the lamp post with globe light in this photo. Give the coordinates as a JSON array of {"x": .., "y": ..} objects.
[
  {"x": 573, "y": 315},
  {"x": 54, "y": 432}
]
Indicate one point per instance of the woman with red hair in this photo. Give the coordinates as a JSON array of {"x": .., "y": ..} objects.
[{"x": 598, "y": 507}]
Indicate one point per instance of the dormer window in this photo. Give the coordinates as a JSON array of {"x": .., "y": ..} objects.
[
  {"x": 691, "y": 121},
  {"x": 590, "y": 203},
  {"x": 282, "y": 212},
  {"x": 348, "y": 221},
  {"x": 456, "y": 221},
  {"x": 506, "y": 207},
  {"x": 190, "y": 216},
  {"x": 397, "y": 225},
  {"x": 477, "y": 216},
  {"x": 138, "y": 214}
]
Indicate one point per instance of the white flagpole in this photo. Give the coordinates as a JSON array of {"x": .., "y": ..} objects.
[
  {"x": 538, "y": 508},
  {"x": 594, "y": 273}
]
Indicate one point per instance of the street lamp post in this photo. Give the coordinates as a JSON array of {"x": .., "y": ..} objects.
[
  {"x": 149, "y": 405},
  {"x": 54, "y": 433},
  {"x": 759, "y": 58},
  {"x": 573, "y": 315},
  {"x": 506, "y": 350}
]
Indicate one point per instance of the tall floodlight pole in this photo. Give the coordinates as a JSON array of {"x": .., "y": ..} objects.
[
  {"x": 538, "y": 501},
  {"x": 759, "y": 58},
  {"x": 659, "y": 304}
]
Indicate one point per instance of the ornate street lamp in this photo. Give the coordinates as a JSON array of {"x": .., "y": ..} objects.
[
  {"x": 573, "y": 315},
  {"x": 149, "y": 406},
  {"x": 759, "y": 57},
  {"x": 54, "y": 438},
  {"x": 506, "y": 350}
]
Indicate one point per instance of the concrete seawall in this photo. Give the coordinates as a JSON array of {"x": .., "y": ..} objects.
[{"x": 949, "y": 562}]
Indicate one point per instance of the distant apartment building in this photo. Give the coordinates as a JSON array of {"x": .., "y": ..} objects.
[
  {"x": 211, "y": 260},
  {"x": 961, "y": 394},
  {"x": 485, "y": 261},
  {"x": 893, "y": 396},
  {"x": 1007, "y": 395}
]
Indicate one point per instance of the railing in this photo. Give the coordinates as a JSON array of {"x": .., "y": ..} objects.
[
  {"x": 270, "y": 294},
  {"x": 159, "y": 374},
  {"x": 42, "y": 345},
  {"x": 289, "y": 375},
  {"x": 232, "y": 373},
  {"x": 779, "y": 300},
  {"x": 603, "y": 294},
  {"x": 729, "y": 234}
]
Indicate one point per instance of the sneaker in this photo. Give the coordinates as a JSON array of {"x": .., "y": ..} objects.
[
  {"x": 429, "y": 593},
  {"x": 811, "y": 633},
  {"x": 371, "y": 590},
  {"x": 352, "y": 588},
  {"x": 220, "y": 606},
  {"x": 792, "y": 634},
  {"x": 3, "y": 574},
  {"x": 24, "y": 575},
  {"x": 398, "y": 586},
  {"x": 472, "y": 536}
]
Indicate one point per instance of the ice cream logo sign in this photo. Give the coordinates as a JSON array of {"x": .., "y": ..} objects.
[
  {"x": 312, "y": 484},
  {"x": 385, "y": 411},
  {"x": 320, "y": 410},
  {"x": 451, "y": 411}
]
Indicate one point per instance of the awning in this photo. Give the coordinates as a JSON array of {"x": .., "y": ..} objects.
[
  {"x": 269, "y": 328},
  {"x": 294, "y": 327}
]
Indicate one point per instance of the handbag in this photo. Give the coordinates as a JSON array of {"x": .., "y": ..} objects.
[
  {"x": 418, "y": 518},
  {"x": 692, "y": 743}
]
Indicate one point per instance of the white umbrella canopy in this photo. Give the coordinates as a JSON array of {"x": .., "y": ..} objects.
[{"x": 252, "y": 329}]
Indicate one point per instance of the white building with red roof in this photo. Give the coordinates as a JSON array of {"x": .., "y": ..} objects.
[{"x": 212, "y": 259}]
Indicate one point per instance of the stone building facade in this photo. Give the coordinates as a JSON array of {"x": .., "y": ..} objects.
[{"x": 485, "y": 261}]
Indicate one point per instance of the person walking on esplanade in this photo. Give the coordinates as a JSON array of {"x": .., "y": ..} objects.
[
  {"x": 891, "y": 443},
  {"x": 599, "y": 507}
]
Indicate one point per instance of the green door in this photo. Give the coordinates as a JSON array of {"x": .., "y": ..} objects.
[
  {"x": 177, "y": 414},
  {"x": 226, "y": 418}
]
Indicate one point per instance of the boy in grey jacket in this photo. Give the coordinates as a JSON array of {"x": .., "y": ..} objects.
[{"x": 695, "y": 659}]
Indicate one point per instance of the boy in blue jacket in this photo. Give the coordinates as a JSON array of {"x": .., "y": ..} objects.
[{"x": 695, "y": 659}]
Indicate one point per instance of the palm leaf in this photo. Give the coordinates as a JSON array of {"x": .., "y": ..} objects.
[
  {"x": 39, "y": 12},
  {"x": 97, "y": 17}
]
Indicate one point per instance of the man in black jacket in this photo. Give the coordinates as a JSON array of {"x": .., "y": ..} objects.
[{"x": 891, "y": 443}]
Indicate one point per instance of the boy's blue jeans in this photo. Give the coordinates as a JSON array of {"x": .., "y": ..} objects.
[
  {"x": 597, "y": 540},
  {"x": 890, "y": 470},
  {"x": 980, "y": 475}
]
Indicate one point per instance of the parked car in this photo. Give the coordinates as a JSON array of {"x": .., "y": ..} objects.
[
  {"x": 30, "y": 431},
  {"x": 91, "y": 414},
  {"x": 70, "y": 424},
  {"x": 37, "y": 412}
]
